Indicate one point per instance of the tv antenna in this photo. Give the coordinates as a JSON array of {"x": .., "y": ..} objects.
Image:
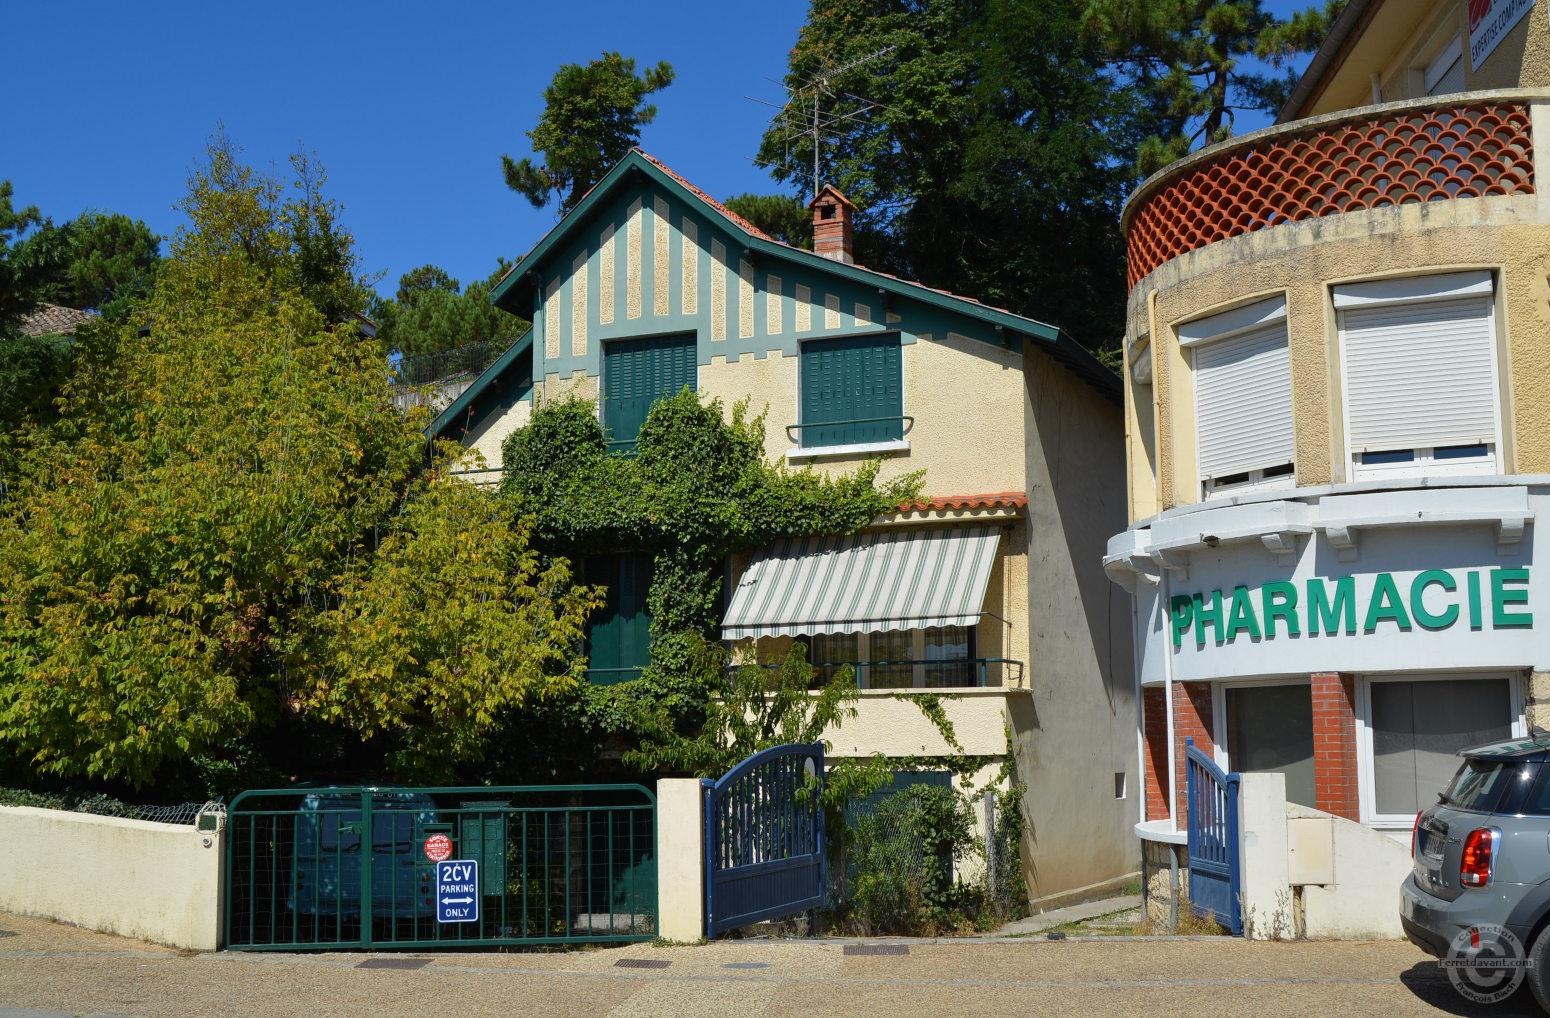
[{"x": 819, "y": 87}]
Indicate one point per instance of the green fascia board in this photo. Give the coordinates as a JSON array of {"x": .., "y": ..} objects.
[
  {"x": 510, "y": 292},
  {"x": 484, "y": 381}
]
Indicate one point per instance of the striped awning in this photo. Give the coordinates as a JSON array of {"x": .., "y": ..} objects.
[{"x": 864, "y": 583}]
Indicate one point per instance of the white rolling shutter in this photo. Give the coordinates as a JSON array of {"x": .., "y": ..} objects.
[
  {"x": 1420, "y": 374},
  {"x": 1243, "y": 402}
]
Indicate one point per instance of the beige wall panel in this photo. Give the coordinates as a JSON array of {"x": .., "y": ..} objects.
[
  {"x": 632, "y": 261},
  {"x": 898, "y": 729},
  {"x": 774, "y": 303},
  {"x": 718, "y": 291},
  {"x": 578, "y": 306},
  {"x": 689, "y": 296},
  {"x": 1303, "y": 259},
  {"x": 605, "y": 276},
  {"x": 490, "y": 434},
  {"x": 1080, "y": 718},
  {"x": 744, "y": 299},
  {"x": 552, "y": 319},
  {"x": 661, "y": 233},
  {"x": 1521, "y": 59},
  {"x": 579, "y": 385}
]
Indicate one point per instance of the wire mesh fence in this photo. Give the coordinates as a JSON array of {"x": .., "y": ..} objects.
[{"x": 181, "y": 813}]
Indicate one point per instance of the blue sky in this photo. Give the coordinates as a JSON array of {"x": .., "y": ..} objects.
[{"x": 409, "y": 105}]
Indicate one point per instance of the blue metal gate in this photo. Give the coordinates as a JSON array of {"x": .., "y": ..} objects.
[
  {"x": 764, "y": 838},
  {"x": 1214, "y": 870},
  {"x": 353, "y": 867}
]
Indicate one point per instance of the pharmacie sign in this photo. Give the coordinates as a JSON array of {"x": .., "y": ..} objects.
[{"x": 1430, "y": 600}]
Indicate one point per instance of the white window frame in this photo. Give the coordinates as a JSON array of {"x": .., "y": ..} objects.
[
  {"x": 1419, "y": 290},
  {"x": 1225, "y": 327},
  {"x": 1219, "y": 727},
  {"x": 1440, "y": 65},
  {"x": 1367, "y": 793}
]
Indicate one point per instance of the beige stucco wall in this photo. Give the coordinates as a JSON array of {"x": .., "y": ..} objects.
[
  {"x": 1510, "y": 235},
  {"x": 489, "y": 434},
  {"x": 965, "y": 397},
  {"x": 1077, "y": 728},
  {"x": 680, "y": 859},
  {"x": 1404, "y": 36},
  {"x": 159, "y": 882},
  {"x": 897, "y": 728}
]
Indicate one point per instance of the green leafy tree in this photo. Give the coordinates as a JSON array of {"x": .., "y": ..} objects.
[
  {"x": 781, "y": 216},
  {"x": 592, "y": 115},
  {"x": 227, "y": 545},
  {"x": 989, "y": 151},
  {"x": 26, "y": 266},
  {"x": 430, "y": 313},
  {"x": 112, "y": 261},
  {"x": 1188, "y": 59}
]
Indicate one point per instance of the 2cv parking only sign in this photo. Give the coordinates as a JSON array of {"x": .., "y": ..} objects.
[{"x": 457, "y": 891}]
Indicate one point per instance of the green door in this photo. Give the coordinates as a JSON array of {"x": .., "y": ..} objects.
[
  {"x": 637, "y": 373},
  {"x": 852, "y": 390},
  {"x": 619, "y": 636}
]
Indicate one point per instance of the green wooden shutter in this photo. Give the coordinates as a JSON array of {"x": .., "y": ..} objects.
[
  {"x": 847, "y": 386},
  {"x": 637, "y": 373},
  {"x": 619, "y": 633}
]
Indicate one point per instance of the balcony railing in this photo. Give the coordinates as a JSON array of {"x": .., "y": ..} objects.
[
  {"x": 1390, "y": 155},
  {"x": 957, "y": 673}
]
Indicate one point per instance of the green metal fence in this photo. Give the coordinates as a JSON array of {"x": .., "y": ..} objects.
[{"x": 347, "y": 867}]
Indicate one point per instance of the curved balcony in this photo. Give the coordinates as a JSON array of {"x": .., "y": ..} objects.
[{"x": 1461, "y": 146}]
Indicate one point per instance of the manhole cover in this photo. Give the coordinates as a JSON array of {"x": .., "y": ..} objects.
[
  {"x": 394, "y": 963},
  {"x": 877, "y": 949},
  {"x": 641, "y": 963},
  {"x": 746, "y": 965}
]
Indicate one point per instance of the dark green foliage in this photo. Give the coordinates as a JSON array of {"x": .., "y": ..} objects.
[
  {"x": 32, "y": 368},
  {"x": 999, "y": 164},
  {"x": 111, "y": 261},
  {"x": 431, "y": 314},
  {"x": 1185, "y": 59},
  {"x": 28, "y": 266},
  {"x": 783, "y": 217},
  {"x": 899, "y": 863},
  {"x": 592, "y": 115}
]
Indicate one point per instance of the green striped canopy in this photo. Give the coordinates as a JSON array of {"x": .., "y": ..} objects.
[{"x": 899, "y": 579}]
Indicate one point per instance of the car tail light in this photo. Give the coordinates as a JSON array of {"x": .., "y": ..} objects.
[
  {"x": 1413, "y": 828},
  {"x": 1479, "y": 856}
]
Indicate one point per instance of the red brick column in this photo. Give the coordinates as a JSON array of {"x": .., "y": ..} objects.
[
  {"x": 1154, "y": 723},
  {"x": 1334, "y": 744},
  {"x": 1192, "y": 718}
]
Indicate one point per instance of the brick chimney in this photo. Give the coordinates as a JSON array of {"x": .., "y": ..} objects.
[{"x": 832, "y": 230}]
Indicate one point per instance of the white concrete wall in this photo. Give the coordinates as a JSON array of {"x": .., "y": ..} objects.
[
  {"x": 1363, "y": 903},
  {"x": 1368, "y": 866},
  {"x": 159, "y": 882},
  {"x": 680, "y": 859}
]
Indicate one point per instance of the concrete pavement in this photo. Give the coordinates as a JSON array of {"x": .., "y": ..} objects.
[{"x": 62, "y": 970}]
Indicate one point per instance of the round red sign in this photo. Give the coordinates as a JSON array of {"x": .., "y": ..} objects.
[{"x": 438, "y": 847}]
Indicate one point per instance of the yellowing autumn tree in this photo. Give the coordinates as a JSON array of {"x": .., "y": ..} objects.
[{"x": 232, "y": 536}]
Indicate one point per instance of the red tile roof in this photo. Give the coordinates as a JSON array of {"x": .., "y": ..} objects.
[{"x": 998, "y": 500}]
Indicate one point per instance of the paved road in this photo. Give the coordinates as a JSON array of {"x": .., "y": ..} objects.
[{"x": 48, "y": 971}]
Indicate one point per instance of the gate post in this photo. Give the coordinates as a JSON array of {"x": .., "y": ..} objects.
[
  {"x": 680, "y": 859},
  {"x": 1269, "y": 913}
]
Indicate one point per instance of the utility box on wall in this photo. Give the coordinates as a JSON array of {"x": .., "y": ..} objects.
[{"x": 1310, "y": 850}]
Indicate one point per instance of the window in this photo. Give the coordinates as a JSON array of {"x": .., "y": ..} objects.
[
  {"x": 937, "y": 657},
  {"x": 1270, "y": 729},
  {"x": 1445, "y": 74},
  {"x": 1412, "y": 731},
  {"x": 1243, "y": 398},
  {"x": 619, "y": 633},
  {"x": 637, "y": 373},
  {"x": 852, "y": 392},
  {"x": 1419, "y": 360}
]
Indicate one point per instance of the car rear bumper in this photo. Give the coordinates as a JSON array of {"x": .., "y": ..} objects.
[{"x": 1431, "y": 923}]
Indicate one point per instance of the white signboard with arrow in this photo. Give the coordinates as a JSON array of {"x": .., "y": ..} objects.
[{"x": 457, "y": 891}]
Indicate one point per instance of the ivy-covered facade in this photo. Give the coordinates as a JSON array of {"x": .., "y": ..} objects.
[{"x": 987, "y": 589}]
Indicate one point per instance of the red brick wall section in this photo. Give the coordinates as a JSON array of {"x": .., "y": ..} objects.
[
  {"x": 1334, "y": 744},
  {"x": 1154, "y": 722},
  {"x": 1192, "y": 718}
]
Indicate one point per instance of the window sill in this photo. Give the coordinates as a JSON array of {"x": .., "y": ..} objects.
[{"x": 860, "y": 449}]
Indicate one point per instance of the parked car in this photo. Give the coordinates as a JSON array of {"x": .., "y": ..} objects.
[
  {"x": 1480, "y": 856},
  {"x": 326, "y": 860}
]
